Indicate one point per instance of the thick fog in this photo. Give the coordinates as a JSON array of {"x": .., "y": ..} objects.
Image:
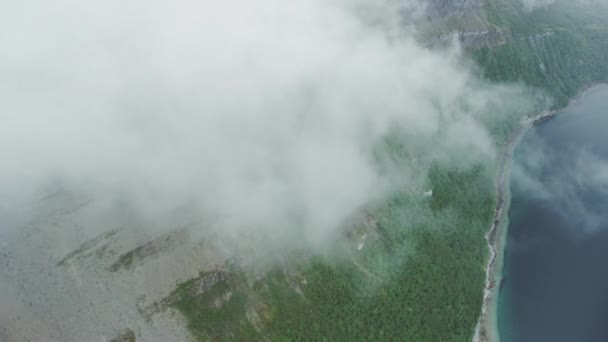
[{"x": 261, "y": 118}]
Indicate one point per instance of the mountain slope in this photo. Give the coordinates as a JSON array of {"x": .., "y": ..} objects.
[{"x": 434, "y": 292}]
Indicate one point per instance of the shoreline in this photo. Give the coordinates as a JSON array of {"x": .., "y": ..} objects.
[{"x": 486, "y": 329}]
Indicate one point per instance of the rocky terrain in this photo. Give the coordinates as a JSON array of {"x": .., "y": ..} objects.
[
  {"x": 463, "y": 21},
  {"x": 439, "y": 9},
  {"x": 63, "y": 281},
  {"x": 78, "y": 270}
]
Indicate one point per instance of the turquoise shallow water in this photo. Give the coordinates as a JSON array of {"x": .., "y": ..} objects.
[{"x": 555, "y": 279}]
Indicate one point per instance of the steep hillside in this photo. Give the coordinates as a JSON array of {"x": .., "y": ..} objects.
[
  {"x": 387, "y": 290},
  {"x": 557, "y": 48},
  {"x": 411, "y": 268},
  {"x": 464, "y": 20}
]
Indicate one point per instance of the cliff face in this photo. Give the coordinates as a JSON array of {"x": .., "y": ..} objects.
[
  {"x": 473, "y": 40},
  {"x": 438, "y": 9},
  {"x": 460, "y": 20}
]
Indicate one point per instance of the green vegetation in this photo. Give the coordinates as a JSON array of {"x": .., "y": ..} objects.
[
  {"x": 386, "y": 291},
  {"x": 217, "y": 313},
  {"x": 124, "y": 261},
  {"x": 421, "y": 278},
  {"x": 559, "y": 49},
  {"x": 86, "y": 246},
  {"x": 140, "y": 253},
  {"x": 126, "y": 336}
]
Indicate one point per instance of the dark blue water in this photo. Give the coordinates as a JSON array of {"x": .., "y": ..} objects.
[{"x": 555, "y": 285}]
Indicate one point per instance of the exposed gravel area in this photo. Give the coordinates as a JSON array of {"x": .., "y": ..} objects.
[{"x": 57, "y": 284}]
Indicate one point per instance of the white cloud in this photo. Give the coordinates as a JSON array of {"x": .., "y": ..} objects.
[{"x": 260, "y": 115}]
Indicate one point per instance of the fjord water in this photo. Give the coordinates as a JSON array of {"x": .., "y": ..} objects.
[{"x": 555, "y": 276}]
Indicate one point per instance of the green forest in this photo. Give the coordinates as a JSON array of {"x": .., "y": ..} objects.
[{"x": 422, "y": 278}]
